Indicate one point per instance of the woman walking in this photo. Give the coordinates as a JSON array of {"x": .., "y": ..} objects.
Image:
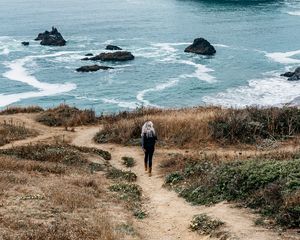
[{"x": 148, "y": 144}]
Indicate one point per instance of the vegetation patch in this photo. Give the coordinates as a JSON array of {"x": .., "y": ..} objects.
[
  {"x": 131, "y": 194},
  {"x": 10, "y": 132},
  {"x": 18, "y": 109},
  {"x": 252, "y": 124},
  {"x": 114, "y": 173},
  {"x": 271, "y": 186},
  {"x": 58, "y": 155},
  {"x": 204, "y": 224},
  {"x": 67, "y": 116},
  {"x": 128, "y": 161},
  {"x": 102, "y": 153}
]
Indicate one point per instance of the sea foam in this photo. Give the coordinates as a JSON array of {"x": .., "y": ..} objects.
[{"x": 19, "y": 73}]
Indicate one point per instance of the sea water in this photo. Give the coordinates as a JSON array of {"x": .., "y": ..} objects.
[{"x": 255, "y": 40}]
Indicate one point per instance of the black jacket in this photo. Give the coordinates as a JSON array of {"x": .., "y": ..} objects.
[{"x": 148, "y": 142}]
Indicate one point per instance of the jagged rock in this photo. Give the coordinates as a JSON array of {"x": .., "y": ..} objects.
[
  {"x": 53, "y": 38},
  {"x": 201, "y": 46},
  {"x": 113, "y": 56},
  {"x": 93, "y": 68},
  {"x": 292, "y": 76},
  {"x": 112, "y": 47},
  {"x": 25, "y": 43},
  {"x": 89, "y": 54}
]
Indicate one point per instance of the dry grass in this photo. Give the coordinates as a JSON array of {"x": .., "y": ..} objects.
[
  {"x": 18, "y": 109},
  {"x": 48, "y": 195},
  {"x": 10, "y": 131},
  {"x": 67, "y": 116},
  {"x": 204, "y": 126},
  {"x": 185, "y": 127}
]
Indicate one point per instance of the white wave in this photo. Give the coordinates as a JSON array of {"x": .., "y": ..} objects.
[
  {"x": 270, "y": 91},
  {"x": 5, "y": 51},
  {"x": 160, "y": 87},
  {"x": 296, "y": 13},
  {"x": 123, "y": 104},
  {"x": 201, "y": 72},
  {"x": 220, "y": 45},
  {"x": 19, "y": 73},
  {"x": 284, "y": 57}
]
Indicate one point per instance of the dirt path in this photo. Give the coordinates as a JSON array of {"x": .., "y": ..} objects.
[{"x": 169, "y": 215}]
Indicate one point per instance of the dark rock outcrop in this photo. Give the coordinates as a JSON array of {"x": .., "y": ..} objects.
[
  {"x": 89, "y": 54},
  {"x": 25, "y": 43},
  {"x": 112, "y": 47},
  {"x": 93, "y": 68},
  {"x": 201, "y": 46},
  {"x": 292, "y": 76},
  {"x": 53, "y": 38},
  {"x": 113, "y": 56}
]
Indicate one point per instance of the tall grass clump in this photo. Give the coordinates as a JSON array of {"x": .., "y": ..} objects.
[
  {"x": 67, "y": 116},
  {"x": 10, "y": 131},
  {"x": 252, "y": 124},
  {"x": 17, "y": 109}
]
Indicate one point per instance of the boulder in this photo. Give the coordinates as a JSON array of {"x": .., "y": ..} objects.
[
  {"x": 201, "y": 46},
  {"x": 93, "y": 68},
  {"x": 53, "y": 38},
  {"x": 113, "y": 56},
  {"x": 112, "y": 47},
  {"x": 292, "y": 76},
  {"x": 89, "y": 54},
  {"x": 25, "y": 43}
]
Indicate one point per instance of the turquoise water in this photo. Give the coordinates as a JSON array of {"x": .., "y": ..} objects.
[{"x": 255, "y": 42}]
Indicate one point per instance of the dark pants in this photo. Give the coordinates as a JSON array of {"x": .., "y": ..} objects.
[{"x": 148, "y": 156}]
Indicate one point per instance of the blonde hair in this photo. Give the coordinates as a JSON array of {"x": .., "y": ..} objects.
[{"x": 148, "y": 129}]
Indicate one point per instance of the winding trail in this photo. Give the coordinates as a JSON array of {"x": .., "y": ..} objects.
[{"x": 169, "y": 215}]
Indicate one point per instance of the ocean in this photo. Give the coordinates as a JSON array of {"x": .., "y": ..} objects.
[{"x": 255, "y": 40}]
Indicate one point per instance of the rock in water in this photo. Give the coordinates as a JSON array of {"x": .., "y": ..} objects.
[
  {"x": 201, "y": 46},
  {"x": 292, "y": 76},
  {"x": 53, "y": 38},
  {"x": 114, "y": 56},
  {"x": 92, "y": 68},
  {"x": 25, "y": 43},
  {"x": 89, "y": 54},
  {"x": 112, "y": 47}
]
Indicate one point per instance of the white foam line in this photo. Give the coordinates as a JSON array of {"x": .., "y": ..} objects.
[
  {"x": 160, "y": 87},
  {"x": 284, "y": 57},
  {"x": 19, "y": 73},
  {"x": 202, "y": 72},
  {"x": 123, "y": 104},
  {"x": 297, "y": 13}
]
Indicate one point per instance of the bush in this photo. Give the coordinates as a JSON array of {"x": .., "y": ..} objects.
[
  {"x": 128, "y": 161},
  {"x": 204, "y": 224},
  {"x": 16, "y": 109},
  {"x": 173, "y": 178},
  {"x": 129, "y": 192},
  {"x": 10, "y": 132},
  {"x": 252, "y": 124},
  {"x": 67, "y": 116},
  {"x": 114, "y": 173}
]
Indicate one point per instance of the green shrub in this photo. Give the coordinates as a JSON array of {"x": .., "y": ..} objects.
[
  {"x": 173, "y": 178},
  {"x": 114, "y": 173},
  {"x": 251, "y": 124},
  {"x": 205, "y": 224},
  {"x": 271, "y": 186},
  {"x": 128, "y": 161},
  {"x": 128, "y": 192}
]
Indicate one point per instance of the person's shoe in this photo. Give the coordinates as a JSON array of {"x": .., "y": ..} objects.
[
  {"x": 150, "y": 172},
  {"x": 146, "y": 169}
]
